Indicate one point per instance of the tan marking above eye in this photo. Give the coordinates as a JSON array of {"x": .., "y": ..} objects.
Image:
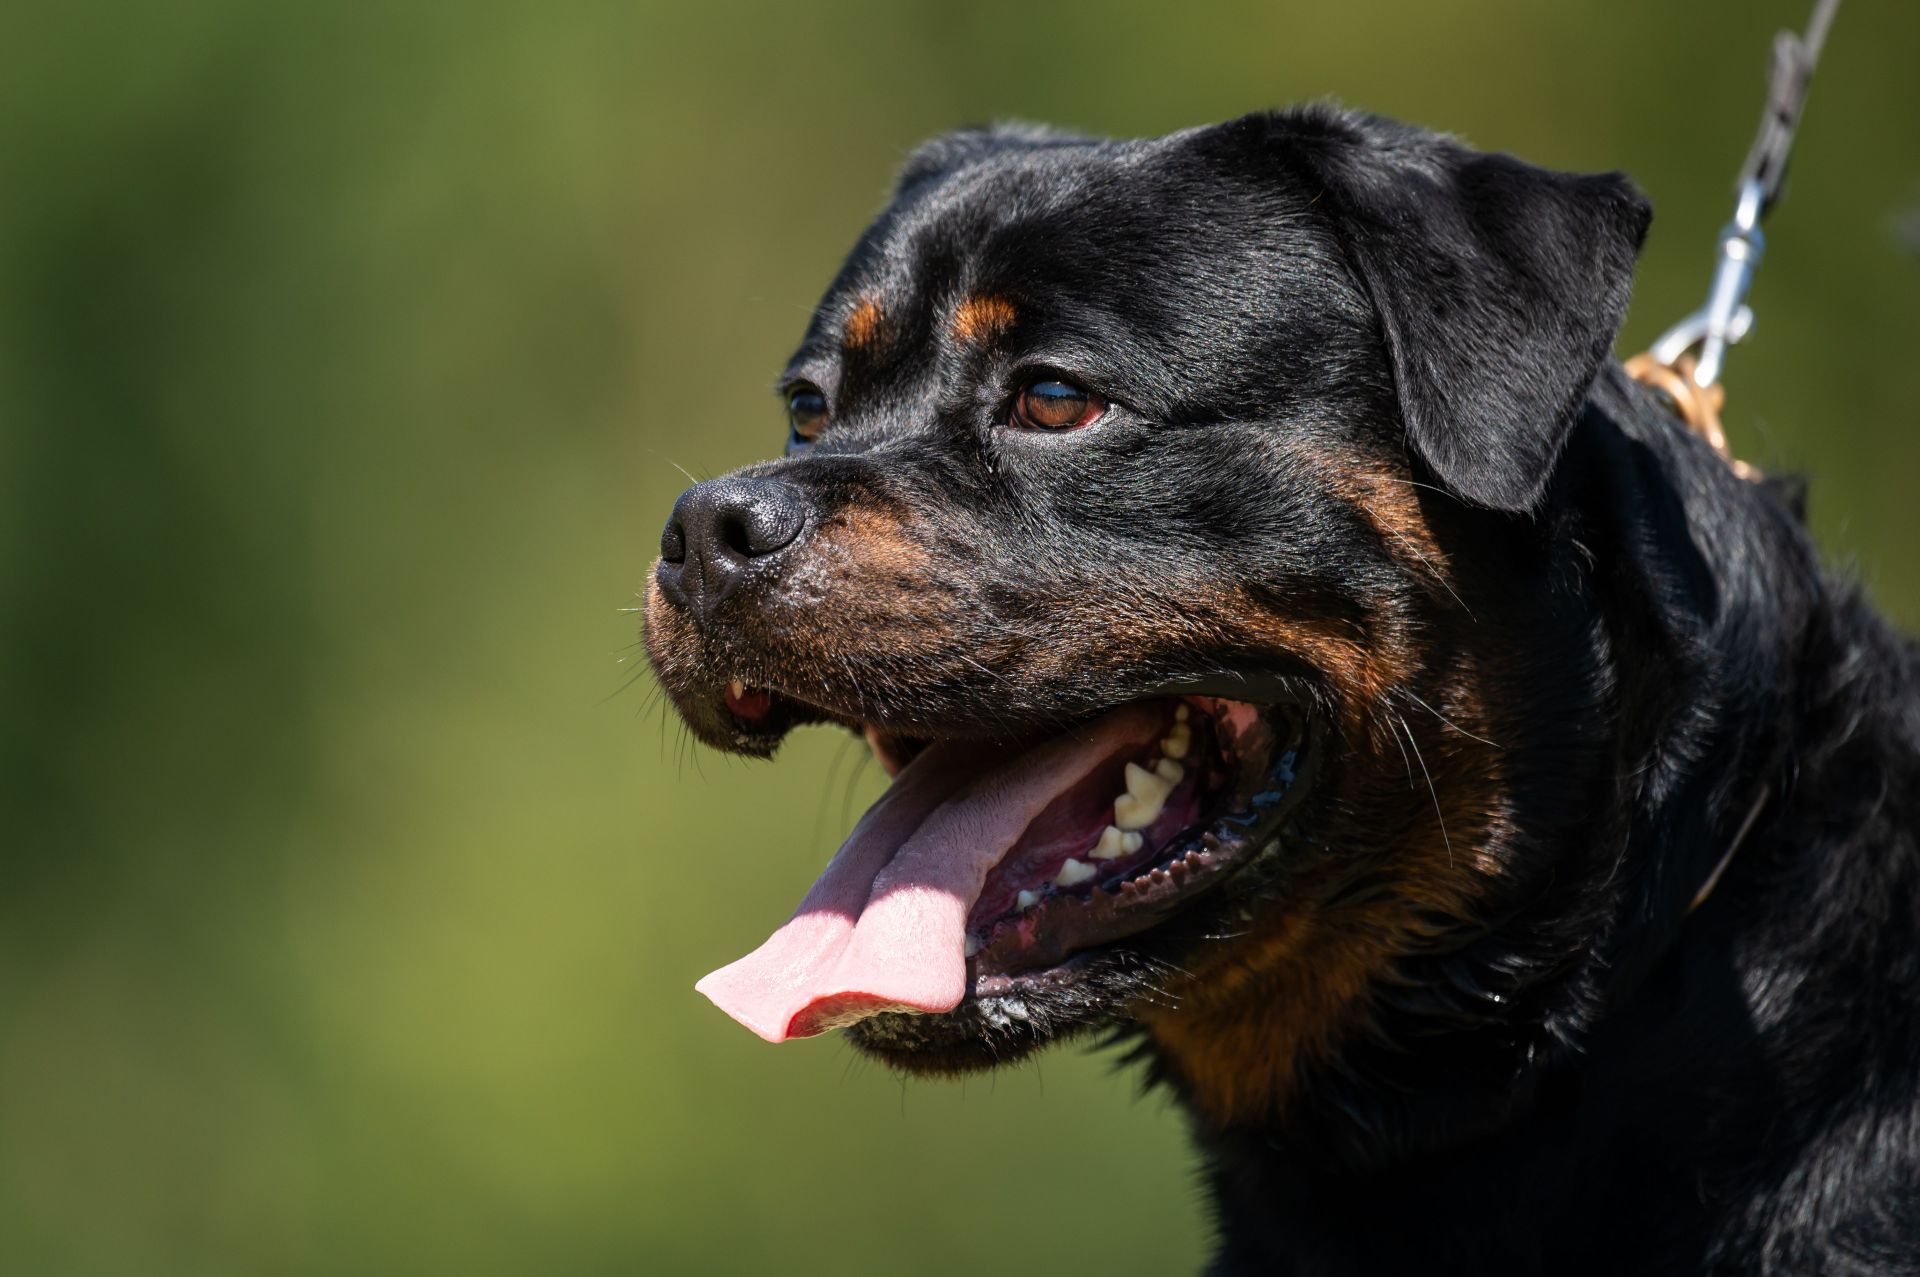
[
  {"x": 864, "y": 326},
  {"x": 980, "y": 319}
]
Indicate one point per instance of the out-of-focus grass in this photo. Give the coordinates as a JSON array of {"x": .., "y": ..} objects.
[{"x": 351, "y": 887}]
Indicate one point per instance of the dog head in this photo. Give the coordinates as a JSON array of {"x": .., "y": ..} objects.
[{"x": 1170, "y": 516}]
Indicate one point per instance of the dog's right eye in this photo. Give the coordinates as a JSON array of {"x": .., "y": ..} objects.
[
  {"x": 806, "y": 414},
  {"x": 1051, "y": 404}
]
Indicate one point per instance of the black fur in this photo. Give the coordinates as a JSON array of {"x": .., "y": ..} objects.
[
  {"x": 1574, "y": 1073},
  {"x": 1627, "y": 1086}
]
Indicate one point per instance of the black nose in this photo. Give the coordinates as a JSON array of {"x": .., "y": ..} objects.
[{"x": 720, "y": 531}]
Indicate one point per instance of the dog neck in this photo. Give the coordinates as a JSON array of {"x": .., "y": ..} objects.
[
  {"x": 1722, "y": 570},
  {"x": 1623, "y": 807}
]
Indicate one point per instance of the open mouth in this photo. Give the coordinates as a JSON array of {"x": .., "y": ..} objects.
[{"x": 986, "y": 868}]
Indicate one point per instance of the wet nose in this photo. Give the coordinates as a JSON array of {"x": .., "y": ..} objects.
[{"x": 722, "y": 530}]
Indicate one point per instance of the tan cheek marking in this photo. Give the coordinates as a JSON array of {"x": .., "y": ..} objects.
[
  {"x": 1362, "y": 668},
  {"x": 1288, "y": 995},
  {"x": 1295, "y": 986},
  {"x": 1361, "y": 673},
  {"x": 880, "y": 544},
  {"x": 981, "y": 319},
  {"x": 872, "y": 593},
  {"x": 1205, "y": 619},
  {"x": 1381, "y": 492},
  {"x": 863, "y": 329},
  {"x": 1390, "y": 504}
]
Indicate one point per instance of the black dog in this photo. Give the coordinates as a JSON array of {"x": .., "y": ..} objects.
[{"x": 1304, "y": 653}]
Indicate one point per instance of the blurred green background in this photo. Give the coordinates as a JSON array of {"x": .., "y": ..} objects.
[{"x": 351, "y": 888}]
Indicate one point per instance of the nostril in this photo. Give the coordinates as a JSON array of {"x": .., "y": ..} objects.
[
  {"x": 760, "y": 520},
  {"x": 673, "y": 541},
  {"x": 737, "y": 532}
]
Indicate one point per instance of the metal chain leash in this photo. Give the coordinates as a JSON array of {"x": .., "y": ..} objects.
[{"x": 1685, "y": 363}]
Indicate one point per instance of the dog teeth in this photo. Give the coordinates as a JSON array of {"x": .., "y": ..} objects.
[
  {"x": 736, "y": 689},
  {"x": 974, "y": 945},
  {"x": 1146, "y": 795},
  {"x": 1179, "y": 738},
  {"x": 1026, "y": 900},
  {"x": 1115, "y": 843},
  {"x": 1073, "y": 873}
]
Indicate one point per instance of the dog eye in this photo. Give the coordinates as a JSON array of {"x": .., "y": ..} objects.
[
  {"x": 1057, "y": 405},
  {"x": 806, "y": 413}
]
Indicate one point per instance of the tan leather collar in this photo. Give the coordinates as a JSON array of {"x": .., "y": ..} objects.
[{"x": 1699, "y": 406}]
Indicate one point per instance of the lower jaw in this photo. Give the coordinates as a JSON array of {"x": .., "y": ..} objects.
[{"x": 1005, "y": 1016}]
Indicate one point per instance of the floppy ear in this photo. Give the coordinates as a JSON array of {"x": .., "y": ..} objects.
[{"x": 1499, "y": 285}]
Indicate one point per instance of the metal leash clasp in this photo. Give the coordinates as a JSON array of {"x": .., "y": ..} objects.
[
  {"x": 1685, "y": 363},
  {"x": 1726, "y": 318}
]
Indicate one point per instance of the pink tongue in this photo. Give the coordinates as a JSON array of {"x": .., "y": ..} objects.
[{"x": 884, "y": 927}]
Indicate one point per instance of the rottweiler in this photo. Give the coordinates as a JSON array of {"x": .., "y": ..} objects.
[{"x": 1306, "y": 658}]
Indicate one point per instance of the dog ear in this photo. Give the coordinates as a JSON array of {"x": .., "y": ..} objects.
[{"x": 1500, "y": 287}]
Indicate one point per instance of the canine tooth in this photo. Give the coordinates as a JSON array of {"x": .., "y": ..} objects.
[
  {"x": 1181, "y": 713},
  {"x": 1131, "y": 842},
  {"x": 1026, "y": 900},
  {"x": 1171, "y": 772},
  {"x": 1142, "y": 783},
  {"x": 737, "y": 688},
  {"x": 1112, "y": 844},
  {"x": 1146, "y": 795},
  {"x": 1073, "y": 873},
  {"x": 973, "y": 945}
]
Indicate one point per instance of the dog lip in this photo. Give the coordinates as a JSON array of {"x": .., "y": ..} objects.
[
  {"x": 759, "y": 736},
  {"x": 893, "y": 741},
  {"x": 1256, "y": 687}
]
